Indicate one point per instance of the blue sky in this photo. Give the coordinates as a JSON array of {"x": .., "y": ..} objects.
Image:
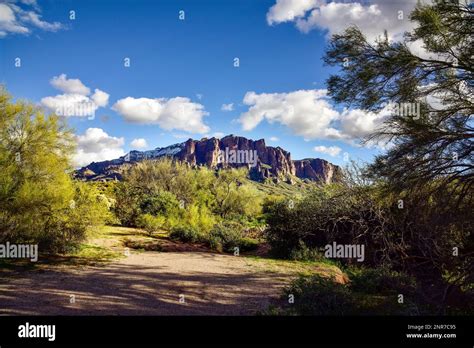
[{"x": 191, "y": 58}]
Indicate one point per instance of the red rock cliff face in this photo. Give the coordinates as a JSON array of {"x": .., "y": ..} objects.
[
  {"x": 266, "y": 161},
  {"x": 317, "y": 169},
  {"x": 272, "y": 161}
]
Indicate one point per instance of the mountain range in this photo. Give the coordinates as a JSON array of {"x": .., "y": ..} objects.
[{"x": 264, "y": 162}]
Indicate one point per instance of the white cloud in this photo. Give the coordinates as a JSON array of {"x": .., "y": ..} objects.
[
  {"x": 356, "y": 124},
  {"x": 334, "y": 17},
  {"x": 9, "y": 23},
  {"x": 227, "y": 107},
  {"x": 35, "y": 19},
  {"x": 17, "y": 20},
  {"x": 100, "y": 98},
  {"x": 274, "y": 139},
  {"x": 175, "y": 113},
  {"x": 328, "y": 150},
  {"x": 307, "y": 113},
  {"x": 70, "y": 86},
  {"x": 96, "y": 145},
  {"x": 139, "y": 143},
  {"x": 288, "y": 10},
  {"x": 75, "y": 101}
]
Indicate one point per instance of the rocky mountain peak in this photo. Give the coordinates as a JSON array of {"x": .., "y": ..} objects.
[{"x": 228, "y": 152}]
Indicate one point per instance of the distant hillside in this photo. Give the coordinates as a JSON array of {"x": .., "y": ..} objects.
[{"x": 264, "y": 162}]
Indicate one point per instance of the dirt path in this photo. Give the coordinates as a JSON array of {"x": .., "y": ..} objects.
[
  {"x": 146, "y": 283},
  {"x": 149, "y": 282}
]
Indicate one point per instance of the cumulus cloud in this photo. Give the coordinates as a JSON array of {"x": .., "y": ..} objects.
[
  {"x": 309, "y": 114},
  {"x": 288, "y": 10},
  {"x": 175, "y": 113},
  {"x": 227, "y": 107},
  {"x": 96, "y": 145},
  {"x": 306, "y": 112},
  {"x": 356, "y": 124},
  {"x": 333, "y": 17},
  {"x": 16, "y": 19},
  {"x": 328, "y": 150},
  {"x": 139, "y": 143},
  {"x": 274, "y": 139},
  {"x": 76, "y": 100},
  {"x": 71, "y": 86},
  {"x": 100, "y": 98}
]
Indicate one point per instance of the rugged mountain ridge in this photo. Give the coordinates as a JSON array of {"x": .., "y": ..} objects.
[{"x": 231, "y": 151}]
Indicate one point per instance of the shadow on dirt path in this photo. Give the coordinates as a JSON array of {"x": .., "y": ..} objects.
[{"x": 147, "y": 283}]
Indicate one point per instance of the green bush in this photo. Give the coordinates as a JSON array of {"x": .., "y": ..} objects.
[
  {"x": 161, "y": 203},
  {"x": 197, "y": 197},
  {"x": 303, "y": 253},
  {"x": 380, "y": 281},
  {"x": 39, "y": 201},
  {"x": 226, "y": 234},
  {"x": 186, "y": 234},
  {"x": 198, "y": 217},
  {"x": 127, "y": 204},
  {"x": 150, "y": 223},
  {"x": 316, "y": 295},
  {"x": 214, "y": 242},
  {"x": 248, "y": 244}
]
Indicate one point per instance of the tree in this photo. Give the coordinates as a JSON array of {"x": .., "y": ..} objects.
[
  {"x": 429, "y": 164},
  {"x": 439, "y": 80},
  {"x": 39, "y": 202}
]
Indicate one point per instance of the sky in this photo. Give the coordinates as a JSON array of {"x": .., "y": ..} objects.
[{"x": 143, "y": 74}]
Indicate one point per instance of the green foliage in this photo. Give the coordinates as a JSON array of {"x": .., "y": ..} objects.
[
  {"x": 303, "y": 253},
  {"x": 198, "y": 198},
  {"x": 436, "y": 144},
  {"x": 370, "y": 291},
  {"x": 419, "y": 206},
  {"x": 226, "y": 236},
  {"x": 418, "y": 242},
  {"x": 126, "y": 208},
  {"x": 186, "y": 234},
  {"x": 381, "y": 281},
  {"x": 39, "y": 202},
  {"x": 161, "y": 203},
  {"x": 151, "y": 223},
  {"x": 318, "y": 295},
  {"x": 234, "y": 198},
  {"x": 248, "y": 244}
]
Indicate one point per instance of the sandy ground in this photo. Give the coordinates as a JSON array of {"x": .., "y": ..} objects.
[{"x": 146, "y": 283}]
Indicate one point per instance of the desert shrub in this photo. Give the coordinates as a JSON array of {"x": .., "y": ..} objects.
[
  {"x": 214, "y": 242},
  {"x": 380, "y": 281},
  {"x": 67, "y": 228},
  {"x": 284, "y": 234},
  {"x": 39, "y": 201},
  {"x": 303, "y": 253},
  {"x": 151, "y": 223},
  {"x": 199, "y": 217},
  {"x": 226, "y": 236},
  {"x": 233, "y": 197},
  {"x": 186, "y": 234},
  {"x": 183, "y": 195},
  {"x": 248, "y": 244},
  {"x": 159, "y": 203},
  {"x": 127, "y": 204},
  {"x": 413, "y": 233},
  {"x": 316, "y": 295}
]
